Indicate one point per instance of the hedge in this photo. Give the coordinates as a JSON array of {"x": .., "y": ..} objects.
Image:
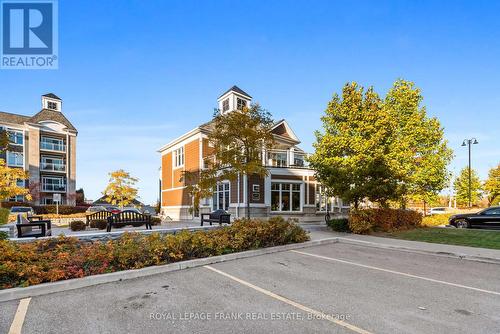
[
  {"x": 4, "y": 216},
  {"x": 48, "y": 209},
  {"x": 436, "y": 220},
  {"x": 55, "y": 259},
  {"x": 339, "y": 224},
  {"x": 384, "y": 220}
]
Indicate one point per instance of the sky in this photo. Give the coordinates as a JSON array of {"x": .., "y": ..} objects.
[{"x": 134, "y": 75}]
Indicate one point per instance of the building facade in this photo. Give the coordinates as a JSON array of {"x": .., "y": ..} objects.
[
  {"x": 289, "y": 190},
  {"x": 45, "y": 146}
]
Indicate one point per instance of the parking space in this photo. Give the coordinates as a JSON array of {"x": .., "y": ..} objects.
[{"x": 337, "y": 288}]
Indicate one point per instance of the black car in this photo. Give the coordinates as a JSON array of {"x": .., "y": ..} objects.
[{"x": 487, "y": 218}]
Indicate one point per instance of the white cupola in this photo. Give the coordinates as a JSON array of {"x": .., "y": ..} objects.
[
  {"x": 233, "y": 99},
  {"x": 51, "y": 102}
]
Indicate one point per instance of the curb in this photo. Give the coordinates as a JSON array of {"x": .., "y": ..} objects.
[
  {"x": 419, "y": 251},
  {"x": 77, "y": 283}
]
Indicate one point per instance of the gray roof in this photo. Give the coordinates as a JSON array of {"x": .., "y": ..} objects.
[
  {"x": 237, "y": 90},
  {"x": 13, "y": 118},
  {"x": 52, "y": 115},
  {"x": 42, "y": 115},
  {"x": 52, "y": 96}
]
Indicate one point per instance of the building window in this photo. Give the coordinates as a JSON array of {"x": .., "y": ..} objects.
[
  {"x": 298, "y": 160},
  {"x": 277, "y": 159},
  {"x": 225, "y": 105},
  {"x": 52, "y": 144},
  {"x": 322, "y": 201},
  {"x": 240, "y": 103},
  {"x": 52, "y": 105},
  {"x": 220, "y": 197},
  {"x": 15, "y": 159},
  {"x": 53, "y": 164},
  {"x": 285, "y": 197},
  {"x": 16, "y": 137},
  {"x": 179, "y": 157},
  {"x": 53, "y": 183}
]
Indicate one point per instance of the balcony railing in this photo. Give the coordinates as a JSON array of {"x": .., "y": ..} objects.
[
  {"x": 53, "y": 187},
  {"x": 53, "y": 167},
  {"x": 52, "y": 146},
  {"x": 286, "y": 159}
]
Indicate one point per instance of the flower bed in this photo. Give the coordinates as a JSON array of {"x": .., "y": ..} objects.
[{"x": 24, "y": 264}]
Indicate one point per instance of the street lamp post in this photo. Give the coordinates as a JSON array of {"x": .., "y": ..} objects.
[{"x": 469, "y": 142}]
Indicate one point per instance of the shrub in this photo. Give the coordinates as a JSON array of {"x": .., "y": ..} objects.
[
  {"x": 436, "y": 220},
  {"x": 384, "y": 220},
  {"x": 4, "y": 216},
  {"x": 3, "y": 235},
  {"x": 77, "y": 225},
  {"x": 63, "y": 209},
  {"x": 99, "y": 223},
  {"x": 8, "y": 205},
  {"x": 339, "y": 224},
  {"x": 54, "y": 259}
]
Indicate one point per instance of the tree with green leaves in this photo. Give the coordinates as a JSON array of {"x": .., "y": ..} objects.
[
  {"x": 382, "y": 150},
  {"x": 238, "y": 139},
  {"x": 121, "y": 189},
  {"x": 419, "y": 155},
  {"x": 492, "y": 186},
  {"x": 349, "y": 156},
  {"x": 461, "y": 186}
]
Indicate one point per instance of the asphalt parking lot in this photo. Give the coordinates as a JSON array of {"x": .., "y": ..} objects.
[{"x": 336, "y": 288}]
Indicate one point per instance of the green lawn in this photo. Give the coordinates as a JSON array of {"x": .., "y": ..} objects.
[{"x": 450, "y": 236}]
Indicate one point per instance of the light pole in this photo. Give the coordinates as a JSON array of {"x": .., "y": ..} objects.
[{"x": 469, "y": 142}]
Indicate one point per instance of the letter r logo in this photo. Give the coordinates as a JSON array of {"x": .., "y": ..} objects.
[{"x": 27, "y": 28}]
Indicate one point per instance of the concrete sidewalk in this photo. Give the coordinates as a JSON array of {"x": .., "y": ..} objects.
[{"x": 321, "y": 231}]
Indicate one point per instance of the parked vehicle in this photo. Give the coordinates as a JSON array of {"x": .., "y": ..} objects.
[
  {"x": 22, "y": 209},
  {"x": 93, "y": 209},
  {"x": 129, "y": 208},
  {"x": 113, "y": 209},
  {"x": 487, "y": 218},
  {"x": 437, "y": 211}
]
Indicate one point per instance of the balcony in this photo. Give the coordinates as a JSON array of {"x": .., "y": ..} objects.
[
  {"x": 48, "y": 146},
  {"x": 50, "y": 167},
  {"x": 48, "y": 187},
  {"x": 286, "y": 159}
]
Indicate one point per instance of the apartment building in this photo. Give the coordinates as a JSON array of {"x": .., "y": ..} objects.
[
  {"x": 290, "y": 189},
  {"x": 45, "y": 146}
]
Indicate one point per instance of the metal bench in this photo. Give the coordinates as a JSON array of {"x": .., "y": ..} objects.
[
  {"x": 217, "y": 216},
  {"x": 99, "y": 215},
  {"x": 129, "y": 218},
  {"x": 25, "y": 227}
]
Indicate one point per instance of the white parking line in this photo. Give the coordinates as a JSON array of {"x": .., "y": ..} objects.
[
  {"x": 397, "y": 273},
  {"x": 17, "y": 323},
  {"x": 318, "y": 314}
]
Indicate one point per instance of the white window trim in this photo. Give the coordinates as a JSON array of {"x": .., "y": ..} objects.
[
  {"x": 301, "y": 191},
  {"x": 223, "y": 197},
  {"x": 175, "y": 157},
  {"x": 14, "y": 152}
]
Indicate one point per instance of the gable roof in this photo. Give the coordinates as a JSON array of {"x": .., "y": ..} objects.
[
  {"x": 102, "y": 200},
  {"x": 52, "y": 96},
  {"x": 52, "y": 115},
  {"x": 237, "y": 90},
  {"x": 282, "y": 129}
]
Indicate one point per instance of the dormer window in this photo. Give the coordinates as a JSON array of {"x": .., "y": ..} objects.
[
  {"x": 51, "y": 105},
  {"x": 225, "y": 105},
  {"x": 241, "y": 104}
]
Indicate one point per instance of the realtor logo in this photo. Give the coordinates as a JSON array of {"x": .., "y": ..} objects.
[{"x": 29, "y": 34}]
